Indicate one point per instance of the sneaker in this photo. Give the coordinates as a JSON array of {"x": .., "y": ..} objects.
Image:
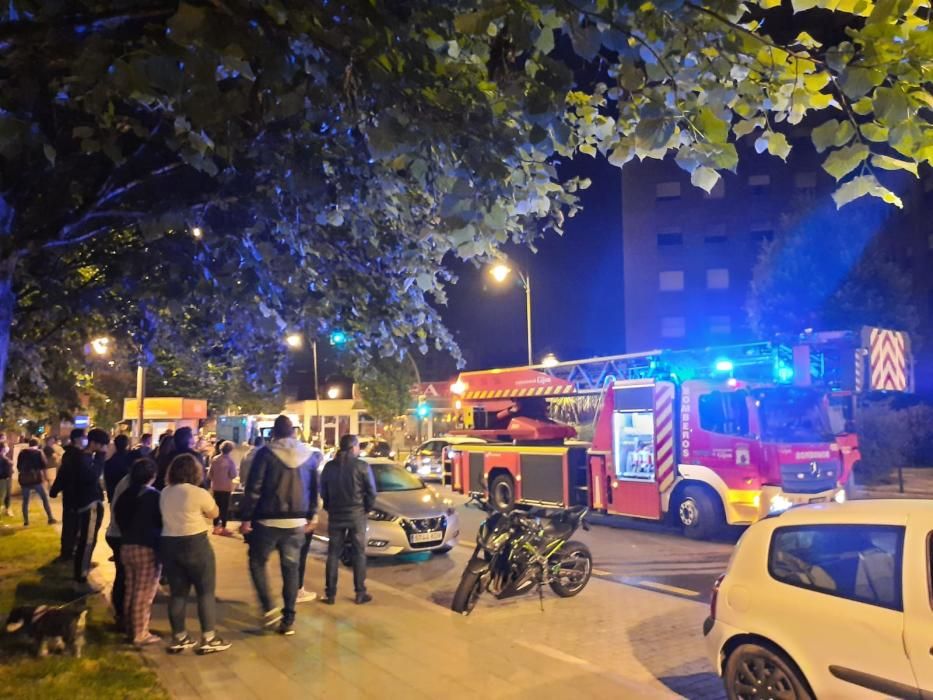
[
  {"x": 328, "y": 600},
  {"x": 305, "y": 596},
  {"x": 147, "y": 640},
  {"x": 362, "y": 598},
  {"x": 179, "y": 644},
  {"x": 286, "y": 629},
  {"x": 212, "y": 646},
  {"x": 271, "y": 618}
]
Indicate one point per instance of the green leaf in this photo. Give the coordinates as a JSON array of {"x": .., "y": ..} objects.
[
  {"x": 804, "y": 5},
  {"x": 853, "y": 189},
  {"x": 747, "y": 126},
  {"x": 545, "y": 42},
  {"x": 775, "y": 143},
  {"x": 704, "y": 178},
  {"x": 857, "y": 82},
  {"x": 474, "y": 22},
  {"x": 874, "y": 132},
  {"x": 621, "y": 155},
  {"x": 824, "y": 135},
  {"x": 588, "y": 149},
  {"x": 888, "y": 163},
  {"x": 715, "y": 130},
  {"x": 842, "y": 162},
  {"x": 891, "y": 106},
  {"x": 186, "y": 21}
]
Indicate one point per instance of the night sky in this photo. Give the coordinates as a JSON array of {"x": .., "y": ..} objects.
[{"x": 576, "y": 282}]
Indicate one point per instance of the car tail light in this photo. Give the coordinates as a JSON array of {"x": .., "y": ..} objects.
[{"x": 714, "y": 596}]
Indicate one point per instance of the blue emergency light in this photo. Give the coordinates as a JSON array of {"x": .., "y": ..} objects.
[{"x": 724, "y": 365}]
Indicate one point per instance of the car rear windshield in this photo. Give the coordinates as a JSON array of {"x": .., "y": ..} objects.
[
  {"x": 390, "y": 477},
  {"x": 859, "y": 562}
]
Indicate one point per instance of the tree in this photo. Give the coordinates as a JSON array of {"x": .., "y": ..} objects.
[
  {"x": 312, "y": 163},
  {"x": 825, "y": 271},
  {"x": 385, "y": 387}
]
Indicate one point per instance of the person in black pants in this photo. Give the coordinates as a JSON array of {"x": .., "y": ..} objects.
[
  {"x": 71, "y": 462},
  {"x": 78, "y": 481},
  {"x": 349, "y": 493}
]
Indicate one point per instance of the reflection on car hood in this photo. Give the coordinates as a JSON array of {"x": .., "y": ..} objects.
[{"x": 420, "y": 503}]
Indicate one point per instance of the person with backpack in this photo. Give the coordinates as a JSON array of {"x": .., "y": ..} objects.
[
  {"x": 33, "y": 478},
  {"x": 279, "y": 506}
]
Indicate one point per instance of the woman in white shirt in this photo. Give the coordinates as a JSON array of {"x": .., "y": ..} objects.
[{"x": 187, "y": 556}]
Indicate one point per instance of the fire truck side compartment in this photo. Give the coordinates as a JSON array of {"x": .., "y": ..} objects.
[
  {"x": 475, "y": 482},
  {"x": 543, "y": 478}
]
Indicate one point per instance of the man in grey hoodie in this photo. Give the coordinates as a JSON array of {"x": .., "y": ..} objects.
[{"x": 279, "y": 506}]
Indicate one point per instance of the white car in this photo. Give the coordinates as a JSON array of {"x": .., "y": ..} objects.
[
  {"x": 828, "y": 601},
  {"x": 408, "y": 516},
  {"x": 427, "y": 460}
]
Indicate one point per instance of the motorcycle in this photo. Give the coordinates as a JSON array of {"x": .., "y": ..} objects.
[{"x": 522, "y": 550}]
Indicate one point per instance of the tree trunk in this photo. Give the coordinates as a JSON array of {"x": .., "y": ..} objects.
[{"x": 7, "y": 306}]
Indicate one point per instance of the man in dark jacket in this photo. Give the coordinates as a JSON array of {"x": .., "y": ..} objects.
[
  {"x": 279, "y": 506},
  {"x": 118, "y": 465},
  {"x": 71, "y": 459},
  {"x": 79, "y": 482},
  {"x": 349, "y": 493}
]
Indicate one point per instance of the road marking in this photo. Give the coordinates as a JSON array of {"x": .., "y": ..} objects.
[
  {"x": 677, "y": 590},
  {"x": 601, "y": 572}
]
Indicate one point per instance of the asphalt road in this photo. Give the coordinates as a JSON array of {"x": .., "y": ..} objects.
[{"x": 625, "y": 551}]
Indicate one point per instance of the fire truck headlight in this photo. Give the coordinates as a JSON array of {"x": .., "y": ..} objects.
[
  {"x": 840, "y": 496},
  {"x": 779, "y": 503}
]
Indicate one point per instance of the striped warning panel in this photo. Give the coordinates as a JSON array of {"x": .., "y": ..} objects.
[
  {"x": 888, "y": 357},
  {"x": 558, "y": 390},
  {"x": 664, "y": 434}
]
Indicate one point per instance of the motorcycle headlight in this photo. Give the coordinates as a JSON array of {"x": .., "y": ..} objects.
[{"x": 381, "y": 516}]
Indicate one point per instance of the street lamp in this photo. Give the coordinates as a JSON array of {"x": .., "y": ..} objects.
[
  {"x": 333, "y": 392},
  {"x": 294, "y": 341},
  {"x": 500, "y": 272},
  {"x": 101, "y": 346}
]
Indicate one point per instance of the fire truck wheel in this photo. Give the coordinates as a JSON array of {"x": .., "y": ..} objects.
[
  {"x": 699, "y": 515},
  {"x": 502, "y": 493}
]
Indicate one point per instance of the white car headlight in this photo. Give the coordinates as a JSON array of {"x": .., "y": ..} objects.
[
  {"x": 840, "y": 496},
  {"x": 381, "y": 516}
]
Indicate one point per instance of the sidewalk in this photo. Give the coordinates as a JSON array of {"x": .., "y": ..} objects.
[{"x": 612, "y": 640}]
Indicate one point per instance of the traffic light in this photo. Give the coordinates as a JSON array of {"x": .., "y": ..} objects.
[
  {"x": 338, "y": 338},
  {"x": 423, "y": 410}
]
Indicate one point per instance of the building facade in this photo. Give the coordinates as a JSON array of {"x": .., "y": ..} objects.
[{"x": 689, "y": 256}]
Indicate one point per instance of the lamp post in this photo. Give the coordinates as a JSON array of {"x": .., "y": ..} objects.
[
  {"x": 500, "y": 272},
  {"x": 294, "y": 341},
  {"x": 102, "y": 346}
]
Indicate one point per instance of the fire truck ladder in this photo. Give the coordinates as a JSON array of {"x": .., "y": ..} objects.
[{"x": 761, "y": 361}]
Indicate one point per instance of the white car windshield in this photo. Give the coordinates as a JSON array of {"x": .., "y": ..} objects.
[{"x": 390, "y": 477}]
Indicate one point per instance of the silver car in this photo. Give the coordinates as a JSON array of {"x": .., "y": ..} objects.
[{"x": 408, "y": 515}]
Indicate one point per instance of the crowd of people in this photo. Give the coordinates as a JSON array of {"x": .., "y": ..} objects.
[{"x": 165, "y": 501}]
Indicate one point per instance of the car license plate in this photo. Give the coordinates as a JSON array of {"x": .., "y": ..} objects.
[{"x": 422, "y": 537}]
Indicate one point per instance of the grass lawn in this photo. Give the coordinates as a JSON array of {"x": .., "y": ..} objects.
[{"x": 109, "y": 668}]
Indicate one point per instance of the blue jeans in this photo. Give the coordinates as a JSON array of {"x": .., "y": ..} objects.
[
  {"x": 39, "y": 489},
  {"x": 263, "y": 540}
]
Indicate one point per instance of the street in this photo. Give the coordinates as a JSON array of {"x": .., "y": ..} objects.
[{"x": 633, "y": 632}]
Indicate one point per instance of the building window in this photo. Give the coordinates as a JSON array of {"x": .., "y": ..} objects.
[
  {"x": 762, "y": 235},
  {"x": 670, "y": 239},
  {"x": 718, "y": 191},
  {"x": 671, "y": 281},
  {"x": 666, "y": 191},
  {"x": 716, "y": 238},
  {"x": 805, "y": 181},
  {"x": 673, "y": 327},
  {"x": 759, "y": 183},
  {"x": 720, "y": 325},
  {"x": 717, "y": 278}
]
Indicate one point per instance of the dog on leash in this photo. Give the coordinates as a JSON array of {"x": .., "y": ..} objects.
[{"x": 50, "y": 629}]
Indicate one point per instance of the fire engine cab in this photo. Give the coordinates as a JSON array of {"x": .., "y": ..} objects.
[{"x": 708, "y": 437}]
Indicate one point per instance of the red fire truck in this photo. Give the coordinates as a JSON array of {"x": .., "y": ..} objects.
[{"x": 707, "y": 437}]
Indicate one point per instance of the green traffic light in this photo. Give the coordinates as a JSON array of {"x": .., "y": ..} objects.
[{"x": 338, "y": 338}]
